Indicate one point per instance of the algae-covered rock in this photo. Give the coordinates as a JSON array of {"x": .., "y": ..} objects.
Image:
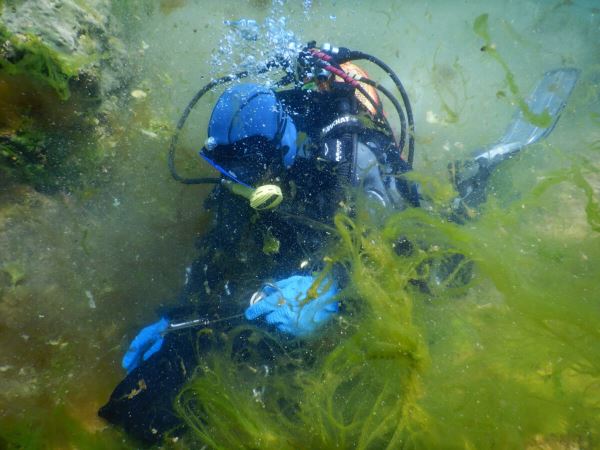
[
  {"x": 65, "y": 43},
  {"x": 60, "y": 64}
]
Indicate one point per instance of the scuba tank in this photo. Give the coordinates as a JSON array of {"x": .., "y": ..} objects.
[{"x": 321, "y": 66}]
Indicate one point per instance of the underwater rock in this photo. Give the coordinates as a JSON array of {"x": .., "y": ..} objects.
[
  {"x": 79, "y": 34},
  {"x": 60, "y": 66}
]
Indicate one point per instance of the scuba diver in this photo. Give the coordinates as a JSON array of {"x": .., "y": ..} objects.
[{"x": 289, "y": 159}]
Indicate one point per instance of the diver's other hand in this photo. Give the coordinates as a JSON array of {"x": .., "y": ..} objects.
[
  {"x": 145, "y": 344},
  {"x": 288, "y": 306}
]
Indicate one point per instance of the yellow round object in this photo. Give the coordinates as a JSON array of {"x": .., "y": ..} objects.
[{"x": 268, "y": 196}]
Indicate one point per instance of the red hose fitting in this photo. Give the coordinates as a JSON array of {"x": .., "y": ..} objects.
[
  {"x": 343, "y": 75},
  {"x": 324, "y": 59},
  {"x": 319, "y": 54}
]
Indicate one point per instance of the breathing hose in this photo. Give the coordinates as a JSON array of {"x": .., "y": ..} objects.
[
  {"x": 186, "y": 113},
  {"x": 181, "y": 123},
  {"x": 396, "y": 104},
  {"x": 353, "y": 55}
]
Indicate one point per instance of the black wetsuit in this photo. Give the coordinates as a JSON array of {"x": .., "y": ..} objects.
[{"x": 245, "y": 248}]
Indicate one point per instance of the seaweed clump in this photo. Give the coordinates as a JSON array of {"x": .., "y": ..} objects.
[
  {"x": 541, "y": 119},
  {"x": 59, "y": 68},
  {"x": 25, "y": 53},
  {"x": 33, "y": 77},
  {"x": 506, "y": 358}
]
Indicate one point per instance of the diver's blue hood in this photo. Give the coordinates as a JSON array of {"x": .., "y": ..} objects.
[{"x": 248, "y": 110}]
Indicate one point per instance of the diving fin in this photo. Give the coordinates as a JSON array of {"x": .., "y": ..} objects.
[{"x": 549, "y": 96}]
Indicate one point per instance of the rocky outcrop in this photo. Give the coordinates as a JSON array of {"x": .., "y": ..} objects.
[{"x": 60, "y": 63}]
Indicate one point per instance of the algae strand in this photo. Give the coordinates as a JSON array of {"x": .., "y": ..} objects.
[{"x": 541, "y": 119}]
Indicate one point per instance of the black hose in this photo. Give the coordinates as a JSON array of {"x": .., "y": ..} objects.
[
  {"x": 323, "y": 63},
  {"x": 377, "y": 107},
  {"x": 181, "y": 123},
  {"x": 396, "y": 104},
  {"x": 188, "y": 110},
  {"x": 354, "y": 55}
]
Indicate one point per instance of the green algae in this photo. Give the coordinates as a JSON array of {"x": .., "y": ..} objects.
[
  {"x": 44, "y": 135},
  {"x": 542, "y": 119},
  {"x": 22, "y": 156},
  {"x": 35, "y": 59},
  {"x": 50, "y": 161},
  {"x": 15, "y": 271},
  {"x": 451, "y": 87},
  {"x": 53, "y": 429},
  {"x": 509, "y": 359},
  {"x": 270, "y": 243}
]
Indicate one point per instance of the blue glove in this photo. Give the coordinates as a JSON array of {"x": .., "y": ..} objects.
[
  {"x": 288, "y": 308},
  {"x": 146, "y": 343}
]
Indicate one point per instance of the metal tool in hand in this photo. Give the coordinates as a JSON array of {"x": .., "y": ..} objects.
[{"x": 201, "y": 322}]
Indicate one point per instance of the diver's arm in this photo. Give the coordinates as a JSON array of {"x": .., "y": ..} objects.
[
  {"x": 202, "y": 277},
  {"x": 231, "y": 214}
]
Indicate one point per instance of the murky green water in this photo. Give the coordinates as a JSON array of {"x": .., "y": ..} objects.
[{"x": 510, "y": 362}]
